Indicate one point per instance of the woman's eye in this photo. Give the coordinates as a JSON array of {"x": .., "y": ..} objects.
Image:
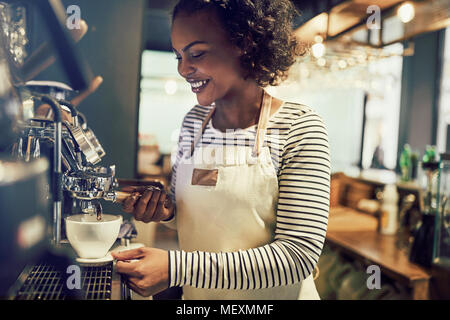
[
  {"x": 193, "y": 55},
  {"x": 197, "y": 55}
]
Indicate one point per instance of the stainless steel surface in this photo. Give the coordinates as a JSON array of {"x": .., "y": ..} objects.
[
  {"x": 85, "y": 145},
  {"x": 89, "y": 184},
  {"x": 126, "y": 293},
  {"x": 92, "y": 207},
  {"x": 57, "y": 205},
  {"x": 75, "y": 146},
  {"x": 57, "y": 216},
  {"x": 93, "y": 139}
]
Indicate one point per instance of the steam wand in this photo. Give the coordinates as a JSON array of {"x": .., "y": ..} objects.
[{"x": 57, "y": 174}]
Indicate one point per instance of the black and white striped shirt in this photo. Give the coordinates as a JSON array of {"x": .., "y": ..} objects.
[{"x": 298, "y": 144}]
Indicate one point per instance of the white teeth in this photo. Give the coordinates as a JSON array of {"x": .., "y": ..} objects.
[{"x": 198, "y": 84}]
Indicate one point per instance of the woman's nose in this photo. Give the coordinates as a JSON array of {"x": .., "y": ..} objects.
[{"x": 185, "y": 68}]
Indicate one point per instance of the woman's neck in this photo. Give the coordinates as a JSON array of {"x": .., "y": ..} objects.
[{"x": 238, "y": 109}]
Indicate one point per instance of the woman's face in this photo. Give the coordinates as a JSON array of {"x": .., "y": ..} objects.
[{"x": 206, "y": 58}]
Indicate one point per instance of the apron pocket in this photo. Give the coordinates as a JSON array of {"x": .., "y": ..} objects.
[{"x": 204, "y": 177}]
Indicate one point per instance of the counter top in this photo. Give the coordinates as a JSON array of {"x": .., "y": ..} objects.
[
  {"x": 375, "y": 248},
  {"x": 380, "y": 177}
]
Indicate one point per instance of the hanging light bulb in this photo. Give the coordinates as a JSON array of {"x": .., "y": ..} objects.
[
  {"x": 406, "y": 12},
  {"x": 362, "y": 56},
  {"x": 318, "y": 48},
  {"x": 318, "y": 39},
  {"x": 321, "y": 62},
  {"x": 342, "y": 64}
]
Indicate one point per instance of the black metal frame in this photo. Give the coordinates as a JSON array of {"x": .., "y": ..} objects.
[{"x": 46, "y": 282}]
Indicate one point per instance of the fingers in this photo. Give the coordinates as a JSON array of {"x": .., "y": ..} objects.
[
  {"x": 141, "y": 205},
  {"x": 146, "y": 205},
  {"x": 162, "y": 211},
  {"x": 137, "y": 285},
  {"x": 129, "y": 202},
  {"x": 152, "y": 206},
  {"x": 128, "y": 268},
  {"x": 129, "y": 254},
  {"x": 131, "y": 268},
  {"x": 131, "y": 283}
]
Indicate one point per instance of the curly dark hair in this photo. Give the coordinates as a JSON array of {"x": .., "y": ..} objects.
[{"x": 262, "y": 29}]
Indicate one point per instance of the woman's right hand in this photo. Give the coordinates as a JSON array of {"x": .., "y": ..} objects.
[{"x": 148, "y": 204}]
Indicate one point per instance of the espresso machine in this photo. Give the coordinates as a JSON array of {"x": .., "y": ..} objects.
[
  {"x": 49, "y": 168},
  {"x": 79, "y": 180}
]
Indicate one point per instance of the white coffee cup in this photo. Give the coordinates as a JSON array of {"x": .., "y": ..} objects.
[{"x": 92, "y": 239}]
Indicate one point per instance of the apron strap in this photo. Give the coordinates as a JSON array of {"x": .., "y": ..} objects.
[
  {"x": 260, "y": 132},
  {"x": 202, "y": 129},
  {"x": 262, "y": 123}
]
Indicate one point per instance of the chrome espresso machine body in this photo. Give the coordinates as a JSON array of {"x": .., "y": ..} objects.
[
  {"x": 79, "y": 181},
  {"x": 49, "y": 167},
  {"x": 76, "y": 185}
]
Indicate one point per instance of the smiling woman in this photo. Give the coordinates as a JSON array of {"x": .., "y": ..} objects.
[
  {"x": 260, "y": 29},
  {"x": 207, "y": 63},
  {"x": 249, "y": 194},
  {"x": 254, "y": 39}
]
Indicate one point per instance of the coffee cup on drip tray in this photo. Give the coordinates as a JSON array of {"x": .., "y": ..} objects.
[{"x": 92, "y": 238}]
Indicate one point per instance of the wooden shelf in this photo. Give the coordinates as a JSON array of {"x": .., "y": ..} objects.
[
  {"x": 374, "y": 248},
  {"x": 380, "y": 178}
]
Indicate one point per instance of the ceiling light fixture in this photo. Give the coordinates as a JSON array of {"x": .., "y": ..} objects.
[
  {"x": 318, "y": 48},
  {"x": 406, "y": 12}
]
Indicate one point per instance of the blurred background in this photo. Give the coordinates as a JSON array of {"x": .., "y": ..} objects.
[
  {"x": 386, "y": 85},
  {"x": 378, "y": 73}
]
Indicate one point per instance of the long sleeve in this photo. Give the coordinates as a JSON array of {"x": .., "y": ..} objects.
[{"x": 301, "y": 222}]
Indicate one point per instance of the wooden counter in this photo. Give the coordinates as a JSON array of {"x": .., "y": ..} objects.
[{"x": 374, "y": 248}]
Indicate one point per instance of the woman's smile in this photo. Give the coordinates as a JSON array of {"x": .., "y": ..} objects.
[
  {"x": 198, "y": 86},
  {"x": 207, "y": 59}
]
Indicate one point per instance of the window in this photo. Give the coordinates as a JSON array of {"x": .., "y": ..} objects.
[
  {"x": 336, "y": 90},
  {"x": 165, "y": 99},
  {"x": 443, "y": 140}
]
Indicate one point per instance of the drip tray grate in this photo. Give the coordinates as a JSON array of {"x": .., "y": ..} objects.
[{"x": 45, "y": 282}]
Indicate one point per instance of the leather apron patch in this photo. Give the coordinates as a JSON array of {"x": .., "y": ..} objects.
[{"x": 203, "y": 177}]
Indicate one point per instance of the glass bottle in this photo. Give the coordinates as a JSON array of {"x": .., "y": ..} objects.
[{"x": 405, "y": 163}]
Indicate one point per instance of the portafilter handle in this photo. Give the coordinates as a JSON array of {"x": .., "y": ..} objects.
[{"x": 120, "y": 196}]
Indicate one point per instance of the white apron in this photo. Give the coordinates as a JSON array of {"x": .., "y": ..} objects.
[{"x": 237, "y": 213}]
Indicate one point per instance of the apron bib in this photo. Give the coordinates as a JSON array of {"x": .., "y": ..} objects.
[{"x": 226, "y": 198}]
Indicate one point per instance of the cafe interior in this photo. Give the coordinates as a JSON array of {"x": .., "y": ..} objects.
[{"x": 376, "y": 71}]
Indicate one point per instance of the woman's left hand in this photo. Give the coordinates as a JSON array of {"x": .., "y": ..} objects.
[{"x": 149, "y": 274}]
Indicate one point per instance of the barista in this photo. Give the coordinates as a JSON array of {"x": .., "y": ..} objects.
[{"x": 249, "y": 194}]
